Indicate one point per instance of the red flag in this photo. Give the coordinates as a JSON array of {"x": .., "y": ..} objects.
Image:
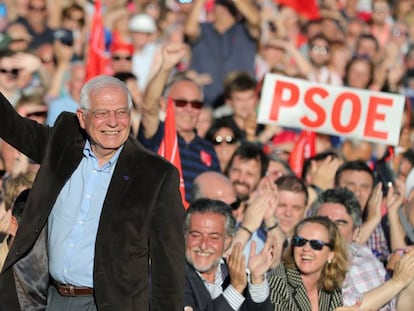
[
  {"x": 304, "y": 148},
  {"x": 306, "y": 8},
  {"x": 169, "y": 146},
  {"x": 97, "y": 58}
]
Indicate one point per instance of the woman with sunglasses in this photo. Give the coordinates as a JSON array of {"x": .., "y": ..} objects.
[
  {"x": 225, "y": 139},
  {"x": 312, "y": 269}
]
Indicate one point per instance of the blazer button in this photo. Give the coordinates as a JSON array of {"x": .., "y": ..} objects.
[
  {"x": 17, "y": 254},
  {"x": 37, "y": 231}
]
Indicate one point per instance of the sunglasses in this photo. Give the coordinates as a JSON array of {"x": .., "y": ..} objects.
[
  {"x": 80, "y": 21},
  {"x": 218, "y": 140},
  {"x": 316, "y": 245},
  {"x": 13, "y": 71},
  {"x": 320, "y": 49},
  {"x": 196, "y": 104},
  {"x": 117, "y": 57}
]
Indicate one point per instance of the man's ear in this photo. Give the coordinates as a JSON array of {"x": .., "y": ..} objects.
[
  {"x": 356, "y": 233},
  {"x": 80, "y": 114},
  {"x": 227, "y": 242}
]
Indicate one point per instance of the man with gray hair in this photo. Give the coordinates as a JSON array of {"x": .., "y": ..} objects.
[
  {"x": 99, "y": 230},
  {"x": 213, "y": 283},
  {"x": 365, "y": 281}
]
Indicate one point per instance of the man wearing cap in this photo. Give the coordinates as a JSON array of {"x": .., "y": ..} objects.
[
  {"x": 216, "y": 46},
  {"x": 121, "y": 57},
  {"x": 142, "y": 28}
]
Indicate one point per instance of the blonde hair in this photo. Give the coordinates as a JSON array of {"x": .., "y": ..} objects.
[
  {"x": 333, "y": 272},
  {"x": 13, "y": 186}
]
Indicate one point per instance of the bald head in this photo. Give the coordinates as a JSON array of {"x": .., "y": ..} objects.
[{"x": 214, "y": 185}]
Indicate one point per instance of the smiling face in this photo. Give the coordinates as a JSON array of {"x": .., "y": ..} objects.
[
  {"x": 206, "y": 241},
  {"x": 310, "y": 262},
  {"x": 185, "y": 117},
  {"x": 107, "y": 135},
  {"x": 245, "y": 176}
]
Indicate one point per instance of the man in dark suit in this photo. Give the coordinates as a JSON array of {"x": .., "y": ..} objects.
[
  {"x": 212, "y": 283},
  {"x": 101, "y": 227}
]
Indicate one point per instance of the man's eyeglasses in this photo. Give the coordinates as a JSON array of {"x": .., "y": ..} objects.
[
  {"x": 13, "y": 71},
  {"x": 118, "y": 57},
  {"x": 103, "y": 114},
  {"x": 218, "y": 140},
  {"x": 196, "y": 104},
  {"x": 316, "y": 245},
  {"x": 80, "y": 20},
  {"x": 320, "y": 49}
]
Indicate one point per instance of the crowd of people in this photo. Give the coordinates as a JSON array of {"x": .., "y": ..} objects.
[{"x": 91, "y": 218}]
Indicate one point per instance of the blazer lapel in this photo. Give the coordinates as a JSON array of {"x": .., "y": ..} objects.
[{"x": 299, "y": 295}]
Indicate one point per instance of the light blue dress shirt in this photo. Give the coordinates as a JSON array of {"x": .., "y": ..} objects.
[
  {"x": 73, "y": 222},
  {"x": 57, "y": 106}
]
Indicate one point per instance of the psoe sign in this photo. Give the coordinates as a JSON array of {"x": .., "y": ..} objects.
[{"x": 341, "y": 111}]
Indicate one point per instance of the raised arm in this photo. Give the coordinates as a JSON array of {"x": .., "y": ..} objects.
[
  {"x": 171, "y": 55},
  {"x": 402, "y": 277},
  {"x": 192, "y": 26},
  {"x": 251, "y": 13}
]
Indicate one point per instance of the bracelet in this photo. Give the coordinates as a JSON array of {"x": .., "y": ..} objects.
[
  {"x": 272, "y": 227},
  {"x": 245, "y": 229},
  {"x": 317, "y": 189}
]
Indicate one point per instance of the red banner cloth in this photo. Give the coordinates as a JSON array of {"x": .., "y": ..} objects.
[
  {"x": 169, "y": 146},
  {"x": 97, "y": 58}
]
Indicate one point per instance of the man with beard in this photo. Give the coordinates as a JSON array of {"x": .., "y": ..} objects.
[
  {"x": 247, "y": 166},
  {"x": 213, "y": 283}
]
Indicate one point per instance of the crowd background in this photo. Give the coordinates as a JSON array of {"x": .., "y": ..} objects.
[{"x": 45, "y": 57}]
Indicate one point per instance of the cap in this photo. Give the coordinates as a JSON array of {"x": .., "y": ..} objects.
[
  {"x": 142, "y": 23},
  {"x": 119, "y": 46}
]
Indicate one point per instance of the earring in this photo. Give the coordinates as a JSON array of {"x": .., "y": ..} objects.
[{"x": 329, "y": 261}]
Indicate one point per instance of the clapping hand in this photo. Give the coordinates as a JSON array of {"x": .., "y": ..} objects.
[
  {"x": 260, "y": 263},
  {"x": 237, "y": 268}
]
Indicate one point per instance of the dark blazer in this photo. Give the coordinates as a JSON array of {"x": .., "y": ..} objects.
[
  {"x": 139, "y": 236},
  {"x": 198, "y": 297},
  {"x": 287, "y": 292}
]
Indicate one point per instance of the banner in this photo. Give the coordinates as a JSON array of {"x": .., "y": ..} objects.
[{"x": 333, "y": 110}]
